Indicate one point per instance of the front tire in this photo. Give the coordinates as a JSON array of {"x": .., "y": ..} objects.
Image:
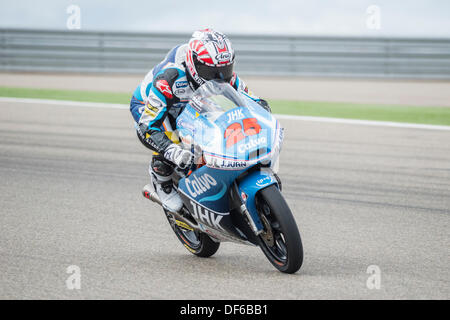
[
  {"x": 194, "y": 241},
  {"x": 280, "y": 240}
]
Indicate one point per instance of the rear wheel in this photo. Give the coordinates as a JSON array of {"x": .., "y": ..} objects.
[
  {"x": 280, "y": 241},
  {"x": 195, "y": 241}
]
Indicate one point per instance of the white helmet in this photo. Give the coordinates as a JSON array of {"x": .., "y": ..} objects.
[{"x": 209, "y": 56}]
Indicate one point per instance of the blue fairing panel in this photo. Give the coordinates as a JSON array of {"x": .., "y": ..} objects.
[
  {"x": 209, "y": 187},
  {"x": 250, "y": 185}
]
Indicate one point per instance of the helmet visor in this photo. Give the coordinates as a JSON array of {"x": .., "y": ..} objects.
[{"x": 214, "y": 73}]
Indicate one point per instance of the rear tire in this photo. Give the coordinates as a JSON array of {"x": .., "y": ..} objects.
[
  {"x": 196, "y": 242},
  {"x": 280, "y": 241}
]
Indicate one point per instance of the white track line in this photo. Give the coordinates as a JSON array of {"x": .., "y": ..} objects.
[
  {"x": 279, "y": 116},
  {"x": 365, "y": 122}
]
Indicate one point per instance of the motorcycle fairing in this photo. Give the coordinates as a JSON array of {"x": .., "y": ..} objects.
[
  {"x": 206, "y": 191},
  {"x": 248, "y": 188},
  {"x": 211, "y": 135}
]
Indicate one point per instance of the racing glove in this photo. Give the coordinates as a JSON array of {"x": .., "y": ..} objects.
[{"x": 180, "y": 157}]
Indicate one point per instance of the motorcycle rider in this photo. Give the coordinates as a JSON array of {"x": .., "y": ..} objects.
[{"x": 163, "y": 93}]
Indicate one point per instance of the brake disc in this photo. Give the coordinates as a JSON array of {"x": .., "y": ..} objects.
[{"x": 267, "y": 234}]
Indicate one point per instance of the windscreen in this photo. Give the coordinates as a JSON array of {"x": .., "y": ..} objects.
[{"x": 214, "y": 98}]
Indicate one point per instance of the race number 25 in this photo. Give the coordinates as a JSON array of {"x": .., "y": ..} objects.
[{"x": 236, "y": 132}]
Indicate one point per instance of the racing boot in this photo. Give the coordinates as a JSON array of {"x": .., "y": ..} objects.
[{"x": 163, "y": 185}]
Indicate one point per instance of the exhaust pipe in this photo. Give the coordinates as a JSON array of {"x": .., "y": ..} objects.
[{"x": 153, "y": 196}]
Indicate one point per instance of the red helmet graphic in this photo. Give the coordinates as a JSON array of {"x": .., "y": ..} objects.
[{"x": 209, "y": 56}]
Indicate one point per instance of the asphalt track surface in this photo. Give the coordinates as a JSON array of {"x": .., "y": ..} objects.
[{"x": 70, "y": 190}]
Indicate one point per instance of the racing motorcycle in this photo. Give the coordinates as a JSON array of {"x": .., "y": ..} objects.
[{"x": 232, "y": 192}]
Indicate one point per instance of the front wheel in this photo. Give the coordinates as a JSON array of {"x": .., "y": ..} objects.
[
  {"x": 280, "y": 241},
  {"x": 195, "y": 241}
]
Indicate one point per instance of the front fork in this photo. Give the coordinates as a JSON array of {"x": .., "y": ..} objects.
[
  {"x": 244, "y": 211},
  {"x": 246, "y": 190}
]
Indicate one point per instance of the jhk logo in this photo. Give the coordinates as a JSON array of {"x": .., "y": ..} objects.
[
  {"x": 235, "y": 115},
  {"x": 206, "y": 216},
  {"x": 198, "y": 185}
]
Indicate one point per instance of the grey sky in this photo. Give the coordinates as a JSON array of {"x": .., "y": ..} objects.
[{"x": 414, "y": 18}]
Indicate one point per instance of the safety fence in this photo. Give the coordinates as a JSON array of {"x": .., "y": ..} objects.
[{"x": 120, "y": 52}]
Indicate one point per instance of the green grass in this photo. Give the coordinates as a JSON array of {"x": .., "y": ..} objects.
[
  {"x": 425, "y": 114},
  {"x": 379, "y": 112},
  {"x": 72, "y": 95}
]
